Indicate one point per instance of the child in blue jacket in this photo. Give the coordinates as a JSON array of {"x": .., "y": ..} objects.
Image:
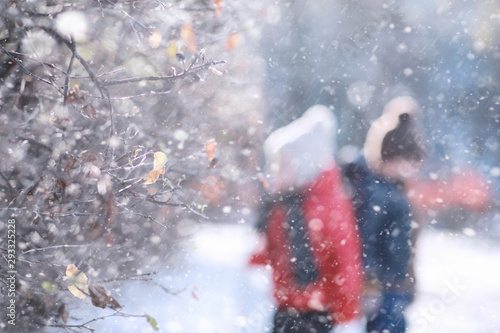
[{"x": 392, "y": 155}]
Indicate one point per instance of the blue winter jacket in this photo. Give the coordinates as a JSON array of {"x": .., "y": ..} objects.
[{"x": 384, "y": 219}]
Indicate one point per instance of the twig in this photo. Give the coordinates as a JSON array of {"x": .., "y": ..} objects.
[
  {"x": 66, "y": 82},
  {"x": 53, "y": 247},
  {"x": 89, "y": 70},
  {"x": 111, "y": 116},
  {"x": 51, "y": 65},
  {"x": 148, "y": 217},
  {"x": 11, "y": 189},
  {"x": 84, "y": 325},
  {"x": 102, "y": 9},
  {"x": 173, "y": 77},
  {"x": 104, "y": 92},
  {"x": 27, "y": 71},
  {"x": 14, "y": 208},
  {"x": 132, "y": 277},
  {"x": 24, "y": 193},
  {"x": 118, "y": 70},
  {"x": 29, "y": 57},
  {"x": 174, "y": 293},
  {"x": 138, "y": 95},
  {"x": 38, "y": 56},
  {"x": 131, "y": 185},
  {"x": 124, "y": 167},
  {"x": 72, "y": 46},
  {"x": 130, "y": 17},
  {"x": 66, "y": 327},
  {"x": 35, "y": 142},
  {"x": 161, "y": 3},
  {"x": 183, "y": 205},
  {"x": 66, "y": 214}
]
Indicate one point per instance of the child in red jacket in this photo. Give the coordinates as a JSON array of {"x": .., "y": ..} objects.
[{"x": 310, "y": 236}]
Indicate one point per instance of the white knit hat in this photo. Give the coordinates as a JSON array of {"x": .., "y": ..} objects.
[
  {"x": 388, "y": 121},
  {"x": 297, "y": 153}
]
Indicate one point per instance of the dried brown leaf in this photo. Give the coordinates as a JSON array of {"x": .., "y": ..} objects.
[
  {"x": 64, "y": 313},
  {"x": 102, "y": 298},
  {"x": 88, "y": 111}
]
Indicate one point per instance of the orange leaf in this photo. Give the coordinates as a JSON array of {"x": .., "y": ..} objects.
[
  {"x": 218, "y": 6},
  {"x": 155, "y": 39},
  {"x": 232, "y": 41},
  {"x": 152, "y": 177},
  {"x": 188, "y": 37},
  {"x": 210, "y": 149},
  {"x": 160, "y": 159}
]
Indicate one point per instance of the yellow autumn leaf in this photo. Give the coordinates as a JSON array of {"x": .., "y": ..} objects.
[
  {"x": 160, "y": 159},
  {"x": 188, "y": 37},
  {"x": 78, "y": 283},
  {"x": 174, "y": 46},
  {"x": 210, "y": 149}
]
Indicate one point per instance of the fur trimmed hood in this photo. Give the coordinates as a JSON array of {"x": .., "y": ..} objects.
[
  {"x": 387, "y": 122},
  {"x": 297, "y": 153}
]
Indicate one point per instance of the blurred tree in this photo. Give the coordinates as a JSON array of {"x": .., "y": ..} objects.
[{"x": 90, "y": 91}]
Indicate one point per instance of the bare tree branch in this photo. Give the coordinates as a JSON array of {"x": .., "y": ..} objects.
[
  {"x": 11, "y": 189},
  {"x": 66, "y": 83},
  {"x": 138, "y": 277},
  {"x": 130, "y": 17},
  {"x": 183, "y": 205},
  {"x": 27, "y": 71},
  {"x": 151, "y": 93},
  {"x": 54, "y": 247},
  {"x": 170, "y": 78}
]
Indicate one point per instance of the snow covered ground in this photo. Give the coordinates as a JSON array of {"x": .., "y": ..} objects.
[
  {"x": 458, "y": 284},
  {"x": 215, "y": 291}
]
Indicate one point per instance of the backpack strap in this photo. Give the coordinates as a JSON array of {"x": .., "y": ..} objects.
[{"x": 303, "y": 260}]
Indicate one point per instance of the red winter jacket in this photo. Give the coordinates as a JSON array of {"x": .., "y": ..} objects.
[{"x": 336, "y": 249}]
